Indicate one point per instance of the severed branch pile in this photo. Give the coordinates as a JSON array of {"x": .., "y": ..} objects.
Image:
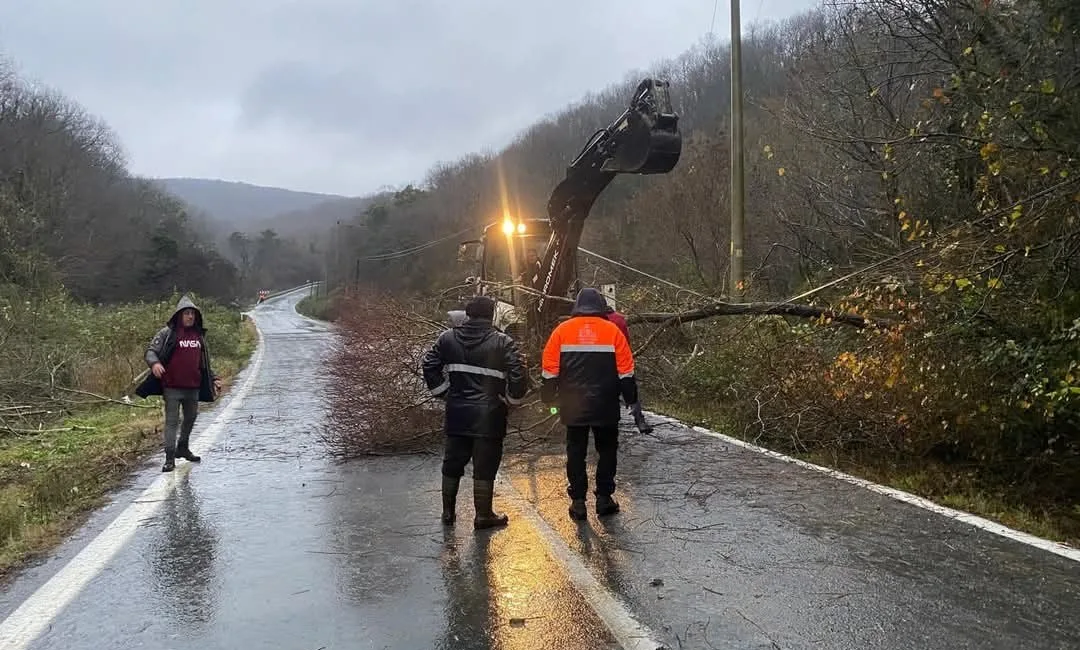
[
  {"x": 33, "y": 395},
  {"x": 378, "y": 402}
]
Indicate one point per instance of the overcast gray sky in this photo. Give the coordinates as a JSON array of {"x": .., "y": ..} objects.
[{"x": 340, "y": 96}]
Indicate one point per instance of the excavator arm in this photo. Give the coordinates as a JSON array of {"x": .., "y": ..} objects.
[{"x": 645, "y": 139}]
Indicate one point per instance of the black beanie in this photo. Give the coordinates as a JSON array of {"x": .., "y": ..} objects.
[{"x": 481, "y": 307}]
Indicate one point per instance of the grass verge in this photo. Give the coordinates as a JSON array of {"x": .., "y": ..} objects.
[
  {"x": 322, "y": 307},
  {"x": 50, "y": 480}
]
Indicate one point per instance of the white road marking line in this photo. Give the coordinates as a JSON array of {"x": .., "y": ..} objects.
[
  {"x": 631, "y": 634},
  {"x": 1064, "y": 550},
  {"x": 37, "y": 612}
]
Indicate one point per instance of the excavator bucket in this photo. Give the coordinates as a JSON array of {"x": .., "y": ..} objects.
[
  {"x": 645, "y": 139},
  {"x": 648, "y": 133},
  {"x": 646, "y": 149}
]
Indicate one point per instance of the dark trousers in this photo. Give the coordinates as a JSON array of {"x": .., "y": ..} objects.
[
  {"x": 606, "y": 440},
  {"x": 485, "y": 453},
  {"x": 177, "y": 400}
]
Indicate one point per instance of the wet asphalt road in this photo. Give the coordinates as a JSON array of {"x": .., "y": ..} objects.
[{"x": 267, "y": 545}]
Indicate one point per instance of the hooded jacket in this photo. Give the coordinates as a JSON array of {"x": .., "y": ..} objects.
[
  {"x": 479, "y": 371},
  {"x": 587, "y": 364},
  {"x": 457, "y": 317},
  {"x": 162, "y": 346}
]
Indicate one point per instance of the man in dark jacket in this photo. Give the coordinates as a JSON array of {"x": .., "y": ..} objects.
[
  {"x": 180, "y": 371},
  {"x": 587, "y": 365},
  {"x": 639, "y": 416},
  {"x": 484, "y": 375}
]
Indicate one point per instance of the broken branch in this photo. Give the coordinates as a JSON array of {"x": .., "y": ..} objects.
[{"x": 754, "y": 308}]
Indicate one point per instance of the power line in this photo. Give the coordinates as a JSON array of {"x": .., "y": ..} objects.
[
  {"x": 648, "y": 275},
  {"x": 805, "y": 294},
  {"x": 425, "y": 246},
  {"x": 415, "y": 249}
]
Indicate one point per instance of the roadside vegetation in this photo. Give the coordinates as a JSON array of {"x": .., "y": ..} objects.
[
  {"x": 913, "y": 162},
  {"x": 67, "y": 436},
  {"x": 321, "y": 306},
  {"x": 92, "y": 263}
]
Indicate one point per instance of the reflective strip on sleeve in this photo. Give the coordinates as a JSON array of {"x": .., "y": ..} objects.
[
  {"x": 625, "y": 375},
  {"x": 441, "y": 388},
  {"x": 548, "y": 375},
  {"x": 475, "y": 370}
]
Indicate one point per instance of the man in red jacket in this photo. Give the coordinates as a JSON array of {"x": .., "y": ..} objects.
[
  {"x": 181, "y": 373},
  {"x": 639, "y": 418}
]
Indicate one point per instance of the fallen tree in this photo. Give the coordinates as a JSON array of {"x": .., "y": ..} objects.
[
  {"x": 378, "y": 402},
  {"x": 670, "y": 319},
  {"x": 715, "y": 308},
  {"x": 755, "y": 309}
]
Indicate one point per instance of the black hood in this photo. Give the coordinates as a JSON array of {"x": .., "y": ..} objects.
[
  {"x": 457, "y": 317},
  {"x": 590, "y": 302},
  {"x": 187, "y": 303},
  {"x": 474, "y": 332}
]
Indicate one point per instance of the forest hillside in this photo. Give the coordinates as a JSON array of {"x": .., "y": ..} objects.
[{"x": 912, "y": 161}]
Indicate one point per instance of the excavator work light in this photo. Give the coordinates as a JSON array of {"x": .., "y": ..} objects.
[
  {"x": 521, "y": 229},
  {"x": 508, "y": 227}
]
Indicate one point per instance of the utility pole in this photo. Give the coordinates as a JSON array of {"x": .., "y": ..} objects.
[
  {"x": 737, "y": 179},
  {"x": 337, "y": 250}
]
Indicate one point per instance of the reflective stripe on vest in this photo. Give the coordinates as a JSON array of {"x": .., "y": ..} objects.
[{"x": 570, "y": 347}]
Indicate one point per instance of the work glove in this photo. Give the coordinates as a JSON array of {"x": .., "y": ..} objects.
[{"x": 549, "y": 392}]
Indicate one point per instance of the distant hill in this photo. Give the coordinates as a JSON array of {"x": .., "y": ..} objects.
[
  {"x": 317, "y": 219},
  {"x": 241, "y": 206}
]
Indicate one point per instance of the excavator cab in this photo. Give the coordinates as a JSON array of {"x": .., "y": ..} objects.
[
  {"x": 508, "y": 259},
  {"x": 510, "y": 252}
]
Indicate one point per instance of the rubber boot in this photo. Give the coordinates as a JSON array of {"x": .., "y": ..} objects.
[
  {"x": 639, "y": 419},
  {"x": 449, "y": 498},
  {"x": 578, "y": 510},
  {"x": 182, "y": 451},
  {"x": 605, "y": 505},
  {"x": 483, "y": 495},
  {"x": 170, "y": 462}
]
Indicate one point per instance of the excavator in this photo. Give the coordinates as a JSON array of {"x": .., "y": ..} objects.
[{"x": 530, "y": 266}]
